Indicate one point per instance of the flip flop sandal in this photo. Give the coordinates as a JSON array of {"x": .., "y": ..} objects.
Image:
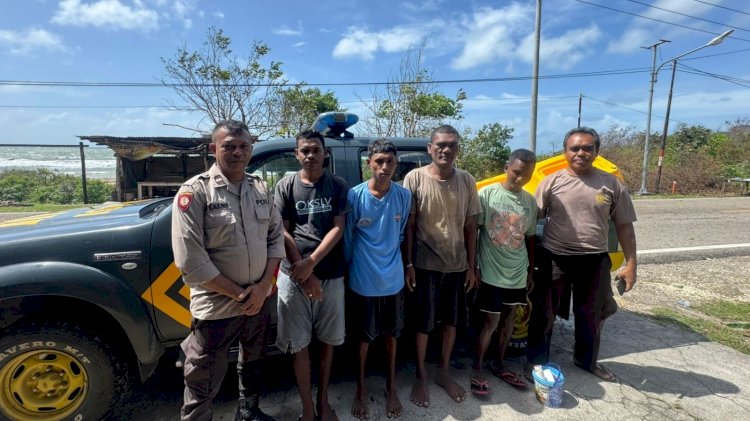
[
  {"x": 608, "y": 376},
  {"x": 480, "y": 387},
  {"x": 510, "y": 377}
]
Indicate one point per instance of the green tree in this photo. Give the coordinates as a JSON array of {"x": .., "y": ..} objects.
[
  {"x": 732, "y": 149},
  {"x": 485, "y": 154},
  {"x": 215, "y": 82},
  {"x": 300, "y": 106},
  {"x": 689, "y": 138},
  {"x": 410, "y": 105}
]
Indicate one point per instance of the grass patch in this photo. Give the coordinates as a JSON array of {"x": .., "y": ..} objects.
[
  {"x": 726, "y": 310},
  {"x": 42, "y": 207},
  {"x": 715, "y": 331}
]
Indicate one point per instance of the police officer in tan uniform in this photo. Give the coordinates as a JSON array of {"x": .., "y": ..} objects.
[{"x": 227, "y": 239}]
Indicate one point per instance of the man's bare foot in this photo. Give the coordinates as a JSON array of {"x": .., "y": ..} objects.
[
  {"x": 359, "y": 406},
  {"x": 307, "y": 416},
  {"x": 393, "y": 404},
  {"x": 456, "y": 392},
  {"x": 326, "y": 413},
  {"x": 420, "y": 395}
]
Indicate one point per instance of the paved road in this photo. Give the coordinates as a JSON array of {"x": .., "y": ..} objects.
[{"x": 671, "y": 230}]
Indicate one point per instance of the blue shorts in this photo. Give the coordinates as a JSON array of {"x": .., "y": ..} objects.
[{"x": 300, "y": 316}]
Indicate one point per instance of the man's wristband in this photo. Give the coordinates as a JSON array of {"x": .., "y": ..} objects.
[{"x": 410, "y": 265}]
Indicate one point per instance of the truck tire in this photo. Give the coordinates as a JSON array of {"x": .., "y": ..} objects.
[{"x": 57, "y": 371}]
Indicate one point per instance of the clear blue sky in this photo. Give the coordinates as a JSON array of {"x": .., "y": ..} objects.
[{"x": 344, "y": 41}]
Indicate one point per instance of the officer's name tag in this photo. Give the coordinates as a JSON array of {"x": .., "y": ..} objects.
[{"x": 215, "y": 206}]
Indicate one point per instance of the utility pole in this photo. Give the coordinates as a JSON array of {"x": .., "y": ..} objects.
[
  {"x": 580, "y": 104},
  {"x": 535, "y": 78},
  {"x": 654, "y": 72},
  {"x": 644, "y": 173},
  {"x": 664, "y": 133}
]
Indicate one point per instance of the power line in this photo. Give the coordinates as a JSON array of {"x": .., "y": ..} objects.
[
  {"x": 717, "y": 54},
  {"x": 543, "y": 98},
  {"x": 730, "y": 79},
  {"x": 686, "y": 15},
  {"x": 446, "y": 81},
  {"x": 628, "y": 108},
  {"x": 658, "y": 20},
  {"x": 723, "y": 7}
]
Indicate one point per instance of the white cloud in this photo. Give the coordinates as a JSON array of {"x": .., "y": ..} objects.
[
  {"x": 631, "y": 40},
  {"x": 490, "y": 35},
  {"x": 299, "y": 44},
  {"x": 219, "y": 14},
  {"x": 423, "y": 6},
  {"x": 30, "y": 41},
  {"x": 508, "y": 34},
  {"x": 286, "y": 31},
  {"x": 364, "y": 44},
  {"x": 561, "y": 52},
  {"x": 643, "y": 32},
  {"x": 106, "y": 14},
  {"x": 181, "y": 10}
]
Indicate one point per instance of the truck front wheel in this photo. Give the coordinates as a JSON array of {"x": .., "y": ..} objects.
[{"x": 58, "y": 371}]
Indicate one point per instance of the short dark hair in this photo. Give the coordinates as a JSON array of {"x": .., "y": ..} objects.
[
  {"x": 311, "y": 135},
  {"x": 444, "y": 129},
  {"x": 583, "y": 130},
  {"x": 232, "y": 127},
  {"x": 523, "y": 155},
  {"x": 381, "y": 146}
]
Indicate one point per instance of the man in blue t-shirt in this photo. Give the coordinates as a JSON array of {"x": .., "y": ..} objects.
[{"x": 373, "y": 234}]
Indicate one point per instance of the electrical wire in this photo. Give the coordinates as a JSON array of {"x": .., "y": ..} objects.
[
  {"x": 541, "y": 98},
  {"x": 446, "y": 81},
  {"x": 717, "y": 54},
  {"x": 688, "y": 16},
  {"x": 723, "y": 7},
  {"x": 631, "y": 109},
  {"x": 730, "y": 79},
  {"x": 658, "y": 20}
]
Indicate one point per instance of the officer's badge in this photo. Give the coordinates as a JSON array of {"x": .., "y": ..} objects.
[{"x": 184, "y": 200}]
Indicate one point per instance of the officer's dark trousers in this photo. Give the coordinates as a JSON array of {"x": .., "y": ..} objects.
[
  {"x": 589, "y": 277},
  {"x": 207, "y": 358}
]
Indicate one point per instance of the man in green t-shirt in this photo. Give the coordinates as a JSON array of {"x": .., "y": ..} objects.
[{"x": 507, "y": 227}]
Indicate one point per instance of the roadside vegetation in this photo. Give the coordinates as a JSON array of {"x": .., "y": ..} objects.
[
  {"x": 45, "y": 187},
  {"x": 725, "y": 322},
  {"x": 698, "y": 159}
]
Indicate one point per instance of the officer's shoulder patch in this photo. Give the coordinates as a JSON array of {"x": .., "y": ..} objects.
[{"x": 184, "y": 200}]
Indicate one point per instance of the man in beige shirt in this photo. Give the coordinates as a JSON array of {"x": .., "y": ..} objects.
[
  {"x": 441, "y": 238},
  {"x": 578, "y": 202},
  {"x": 227, "y": 240}
]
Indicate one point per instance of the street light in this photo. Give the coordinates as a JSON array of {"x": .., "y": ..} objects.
[{"x": 654, "y": 73}]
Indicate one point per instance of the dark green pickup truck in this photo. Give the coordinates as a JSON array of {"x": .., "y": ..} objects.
[{"x": 91, "y": 298}]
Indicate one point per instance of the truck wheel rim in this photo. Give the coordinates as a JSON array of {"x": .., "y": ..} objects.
[{"x": 48, "y": 385}]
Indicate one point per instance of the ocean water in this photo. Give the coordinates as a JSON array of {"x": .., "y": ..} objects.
[{"x": 100, "y": 161}]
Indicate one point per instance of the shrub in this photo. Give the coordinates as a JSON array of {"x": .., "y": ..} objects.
[{"x": 45, "y": 186}]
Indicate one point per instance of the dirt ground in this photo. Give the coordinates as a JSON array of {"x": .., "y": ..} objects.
[{"x": 682, "y": 285}]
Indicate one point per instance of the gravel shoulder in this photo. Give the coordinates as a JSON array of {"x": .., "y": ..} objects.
[{"x": 695, "y": 282}]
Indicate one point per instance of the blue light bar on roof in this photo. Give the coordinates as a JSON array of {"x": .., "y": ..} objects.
[{"x": 334, "y": 124}]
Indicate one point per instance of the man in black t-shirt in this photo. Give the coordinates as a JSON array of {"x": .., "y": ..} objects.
[{"x": 311, "y": 281}]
